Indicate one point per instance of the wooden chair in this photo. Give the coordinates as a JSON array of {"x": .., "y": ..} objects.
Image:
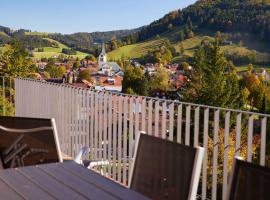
[
  {"x": 28, "y": 141},
  {"x": 249, "y": 181},
  {"x": 164, "y": 169}
]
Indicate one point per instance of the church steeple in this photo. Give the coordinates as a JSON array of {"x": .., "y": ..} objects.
[
  {"x": 102, "y": 59},
  {"x": 103, "y": 49}
]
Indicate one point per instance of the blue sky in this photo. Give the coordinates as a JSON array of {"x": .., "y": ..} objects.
[{"x": 69, "y": 16}]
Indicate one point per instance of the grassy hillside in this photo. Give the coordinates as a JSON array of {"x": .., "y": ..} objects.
[
  {"x": 248, "y": 46},
  {"x": 55, "y": 51},
  {"x": 4, "y": 34},
  {"x": 135, "y": 50},
  {"x": 37, "y": 33}
]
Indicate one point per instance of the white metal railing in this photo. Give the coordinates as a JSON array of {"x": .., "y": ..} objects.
[{"x": 109, "y": 123}]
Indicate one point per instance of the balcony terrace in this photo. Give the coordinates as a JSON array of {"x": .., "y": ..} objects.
[{"x": 108, "y": 123}]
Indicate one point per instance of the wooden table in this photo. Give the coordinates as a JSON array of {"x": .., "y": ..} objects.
[{"x": 66, "y": 180}]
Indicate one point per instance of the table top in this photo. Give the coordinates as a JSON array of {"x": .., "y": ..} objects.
[{"x": 66, "y": 180}]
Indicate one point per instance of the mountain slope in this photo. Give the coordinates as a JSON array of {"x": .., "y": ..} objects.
[
  {"x": 223, "y": 15},
  {"x": 245, "y": 23},
  {"x": 77, "y": 41}
]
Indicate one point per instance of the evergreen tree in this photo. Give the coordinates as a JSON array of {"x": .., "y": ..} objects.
[
  {"x": 190, "y": 34},
  {"x": 189, "y": 23},
  {"x": 209, "y": 83},
  {"x": 181, "y": 47},
  {"x": 181, "y": 35}
]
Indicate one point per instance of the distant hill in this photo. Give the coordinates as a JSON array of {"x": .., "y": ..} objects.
[
  {"x": 78, "y": 41},
  {"x": 86, "y": 41},
  {"x": 244, "y": 24},
  {"x": 217, "y": 15}
]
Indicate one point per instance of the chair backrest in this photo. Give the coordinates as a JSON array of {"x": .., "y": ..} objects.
[
  {"x": 28, "y": 141},
  {"x": 164, "y": 169},
  {"x": 249, "y": 181}
]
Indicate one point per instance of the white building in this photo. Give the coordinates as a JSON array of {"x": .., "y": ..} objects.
[{"x": 102, "y": 59}]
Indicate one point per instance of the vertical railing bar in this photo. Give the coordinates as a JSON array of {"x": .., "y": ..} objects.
[
  {"x": 61, "y": 116},
  {"x": 110, "y": 134},
  {"x": 171, "y": 121},
  {"x": 238, "y": 134},
  {"x": 73, "y": 120},
  {"x": 143, "y": 110},
  {"x": 163, "y": 120},
  {"x": 114, "y": 134},
  {"x": 196, "y": 126},
  {"x": 96, "y": 128},
  {"x": 157, "y": 118},
  {"x": 100, "y": 126},
  {"x": 92, "y": 124},
  {"x": 130, "y": 147},
  {"x": 78, "y": 134},
  {"x": 64, "y": 120},
  {"x": 80, "y": 120},
  {"x": 187, "y": 133},
  {"x": 69, "y": 121},
  {"x": 105, "y": 129},
  {"x": 226, "y": 151},
  {"x": 137, "y": 107},
  {"x": 150, "y": 117},
  {"x": 263, "y": 140},
  {"x": 87, "y": 115},
  {"x": 119, "y": 157},
  {"x": 179, "y": 123},
  {"x": 250, "y": 137},
  {"x": 215, "y": 154},
  {"x": 84, "y": 127},
  {"x": 10, "y": 96},
  {"x": 125, "y": 140},
  {"x": 205, "y": 159}
]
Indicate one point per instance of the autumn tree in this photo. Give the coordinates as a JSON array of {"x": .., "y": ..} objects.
[
  {"x": 160, "y": 80},
  {"x": 256, "y": 89},
  {"x": 76, "y": 64},
  {"x": 55, "y": 71},
  {"x": 85, "y": 75},
  {"x": 15, "y": 61},
  {"x": 134, "y": 81},
  {"x": 90, "y": 57},
  {"x": 114, "y": 43}
]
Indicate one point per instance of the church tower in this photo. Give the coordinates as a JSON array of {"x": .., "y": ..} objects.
[{"x": 102, "y": 59}]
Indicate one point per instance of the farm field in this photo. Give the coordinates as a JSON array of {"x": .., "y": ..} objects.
[{"x": 50, "y": 52}]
